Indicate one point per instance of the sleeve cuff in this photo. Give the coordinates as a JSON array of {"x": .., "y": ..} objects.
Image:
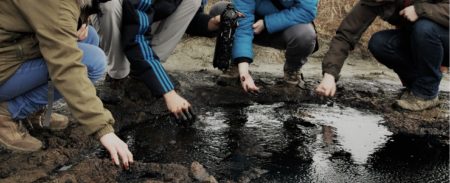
[
  {"x": 335, "y": 75},
  {"x": 242, "y": 59},
  {"x": 420, "y": 11},
  {"x": 105, "y": 130}
]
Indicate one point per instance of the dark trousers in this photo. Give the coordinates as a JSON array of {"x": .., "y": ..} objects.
[
  {"x": 415, "y": 53},
  {"x": 299, "y": 42}
]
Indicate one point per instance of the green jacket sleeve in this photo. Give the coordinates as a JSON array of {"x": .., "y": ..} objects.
[
  {"x": 438, "y": 12},
  {"x": 347, "y": 35},
  {"x": 55, "y": 26}
]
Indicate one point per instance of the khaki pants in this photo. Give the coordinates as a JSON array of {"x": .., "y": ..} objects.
[{"x": 166, "y": 34}]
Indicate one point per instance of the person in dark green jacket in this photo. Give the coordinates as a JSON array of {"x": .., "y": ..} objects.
[{"x": 415, "y": 50}]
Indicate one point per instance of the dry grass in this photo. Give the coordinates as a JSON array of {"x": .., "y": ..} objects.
[{"x": 331, "y": 13}]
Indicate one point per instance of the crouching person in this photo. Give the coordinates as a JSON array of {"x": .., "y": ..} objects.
[
  {"x": 416, "y": 54},
  {"x": 279, "y": 24},
  {"x": 415, "y": 50},
  {"x": 138, "y": 35},
  {"x": 38, "y": 43}
]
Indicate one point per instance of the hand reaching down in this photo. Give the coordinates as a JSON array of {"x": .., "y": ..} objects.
[
  {"x": 327, "y": 86},
  {"x": 117, "y": 148},
  {"x": 178, "y": 106}
]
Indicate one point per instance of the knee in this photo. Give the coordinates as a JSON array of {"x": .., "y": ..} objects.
[
  {"x": 302, "y": 36},
  {"x": 376, "y": 43},
  {"x": 424, "y": 28},
  {"x": 218, "y": 8},
  {"x": 192, "y": 5},
  {"x": 111, "y": 8},
  {"x": 197, "y": 4},
  {"x": 92, "y": 38},
  {"x": 95, "y": 61}
]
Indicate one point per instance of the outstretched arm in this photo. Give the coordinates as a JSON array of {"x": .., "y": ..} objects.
[{"x": 347, "y": 35}]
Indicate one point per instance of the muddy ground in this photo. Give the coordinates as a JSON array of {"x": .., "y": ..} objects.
[{"x": 70, "y": 156}]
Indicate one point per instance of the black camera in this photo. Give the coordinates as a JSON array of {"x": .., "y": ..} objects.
[{"x": 225, "y": 38}]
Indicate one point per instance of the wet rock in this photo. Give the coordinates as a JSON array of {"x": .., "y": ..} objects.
[
  {"x": 199, "y": 172},
  {"x": 252, "y": 174}
]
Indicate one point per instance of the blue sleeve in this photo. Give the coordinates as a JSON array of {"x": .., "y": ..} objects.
[
  {"x": 243, "y": 37},
  {"x": 304, "y": 11}
]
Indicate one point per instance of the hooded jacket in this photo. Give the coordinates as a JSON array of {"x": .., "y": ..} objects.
[
  {"x": 47, "y": 29},
  {"x": 362, "y": 16}
]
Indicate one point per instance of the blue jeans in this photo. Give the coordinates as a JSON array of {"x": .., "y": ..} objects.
[
  {"x": 27, "y": 90},
  {"x": 415, "y": 53}
]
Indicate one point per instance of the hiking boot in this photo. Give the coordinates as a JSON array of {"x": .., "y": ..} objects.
[
  {"x": 295, "y": 78},
  {"x": 406, "y": 93},
  {"x": 15, "y": 136},
  {"x": 414, "y": 103},
  {"x": 57, "y": 121}
]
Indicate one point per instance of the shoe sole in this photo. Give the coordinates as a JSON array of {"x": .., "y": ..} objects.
[{"x": 415, "y": 110}]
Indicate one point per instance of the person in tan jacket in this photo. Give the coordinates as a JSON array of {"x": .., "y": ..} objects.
[
  {"x": 415, "y": 50},
  {"x": 38, "y": 42}
]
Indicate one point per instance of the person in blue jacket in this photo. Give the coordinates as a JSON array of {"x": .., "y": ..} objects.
[{"x": 281, "y": 24}]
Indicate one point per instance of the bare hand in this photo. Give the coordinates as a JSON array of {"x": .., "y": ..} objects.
[
  {"x": 82, "y": 33},
  {"x": 258, "y": 27},
  {"x": 178, "y": 106},
  {"x": 116, "y": 148},
  {"x": 214, "y": 23},
  {"x": 327, "y": 86},
  {"x": 246, "y": 79},
  {"x": 409, "y": 13}
]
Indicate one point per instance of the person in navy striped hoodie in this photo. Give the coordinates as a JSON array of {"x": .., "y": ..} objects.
[{"x": 146, "y": 32}]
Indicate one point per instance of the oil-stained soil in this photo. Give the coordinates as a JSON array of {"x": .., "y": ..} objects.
[{"x": 283, "y": 134}]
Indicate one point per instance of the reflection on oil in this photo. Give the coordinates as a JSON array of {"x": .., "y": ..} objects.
[
  {"x": 293, "y": 143},
  {"x": 359, "y": 133}
]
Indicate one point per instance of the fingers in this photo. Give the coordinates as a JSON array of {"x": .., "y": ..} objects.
[
  {"x": 254, "y": 89},
  {"x": 327, "y": 92},
  {"x": 250, "y": 88},
  {"x": 82, "y": 33},
  {"x": 402, "y": 12},
  {"x": 217, "y": 19},
  {"x": 191, "y": 110},
  {"x": 320, "y": 90},
  {"x": 130, "y": 155},
  {"x": 333, "y": 92},
  {"x": 114, "y": 156},
  {"x": 188, "y": 114},
  {"x": 184, "y": 111},
  {"x": 181, "y": 113},
  {"x": 124, "y": 156},
  {"x": 117, "y": 148},
  {"x": 175, "y": 113},
  {"x": 245, "y": 87}
]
